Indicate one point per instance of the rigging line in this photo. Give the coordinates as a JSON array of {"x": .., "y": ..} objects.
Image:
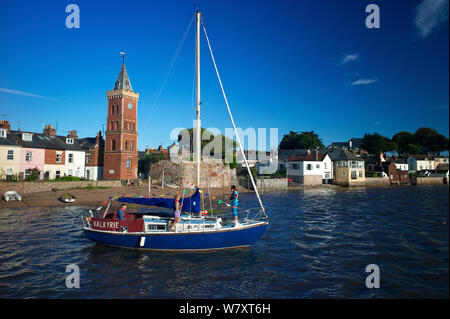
[
  {"x": 232, "y": 121},
  {"x": 171, "y": 64}
]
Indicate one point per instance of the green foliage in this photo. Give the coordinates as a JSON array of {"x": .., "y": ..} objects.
[
  {"x": 376, "y": 143},
  {"x": 430, "y": 140},
  {"x": 189, "y": 143},
  {"x": 302, "y": 140},
  {"x": 69, "y": 179},
  {"x": 149, "y": 159},
  {"x": 34, "y": 175}
]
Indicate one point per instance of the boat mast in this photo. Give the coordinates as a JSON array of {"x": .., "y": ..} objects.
[{"x": 197, "y": 145}]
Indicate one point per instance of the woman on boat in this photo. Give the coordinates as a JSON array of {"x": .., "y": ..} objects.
[
  {"x": 234, "y": 202},
  {"x": 177, "y": 211}
]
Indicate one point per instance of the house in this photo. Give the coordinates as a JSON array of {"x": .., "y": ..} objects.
[
  {"x": 353, "y": 145},
  {"x": 9, "y": 153},
  {"x": 93, "y": 147},
  {"x": 348, "y": 169},
  {"x": 395, "y": 175},
  {"x": 312, "y": 169},
  {"x": 420, "y": 162}
]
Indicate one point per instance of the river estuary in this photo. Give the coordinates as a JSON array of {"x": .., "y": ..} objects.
[{"x": 318, "y": 245}]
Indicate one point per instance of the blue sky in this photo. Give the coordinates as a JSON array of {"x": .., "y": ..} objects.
[{"x": 293, "y": 65}]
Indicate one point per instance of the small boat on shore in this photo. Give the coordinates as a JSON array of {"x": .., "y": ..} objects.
[
  {"x": 67, "y": 198},
  {"x": 11, "y": 195}
]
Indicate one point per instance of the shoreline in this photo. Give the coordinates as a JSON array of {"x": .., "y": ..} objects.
[{"x": 94, "y": 197}]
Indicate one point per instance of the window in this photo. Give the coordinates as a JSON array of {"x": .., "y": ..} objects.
[
  {"x": 113, "y": 145},
  {"x": 70, "y": 172},
  {"x": 128, "y": 163},
  {"x": 28, "y": 156},
  {"x": 308, "y": 167},
  {"x": 112, "y": 109},
  {"x": 2, "y": 133},
  {"x": 317, "y": 165},
  {"x": 27, "y": 173},
  {"x": 27, "y": 137},
  {"x": 325, "y": 165},
  {"x": 126, "y": 145},
  {"x": 117, "y": 125},
  {"x": 343, "y": 173},
  {"x": 70, "y": 160},
  {"x": 88, "y": 158},
  {"x": 353, "y": 174},
  {"x": 360, "y": 174},
  {"x": 10, "y": 155},
  {"x": 58, "y": 157},
  {"x": 117, "y": 108},
  {"x": 111, "y": 125},
  {"x": 327, "y": 175},
  {"x": 9, "y": 171},
  {"x": 131, "y": 146},
  {"x": 88, "y": 174},
  {"x": 69, "y": 140},
  {"x": 57, "y": 174},
  {"x": 295, "y": 166}
]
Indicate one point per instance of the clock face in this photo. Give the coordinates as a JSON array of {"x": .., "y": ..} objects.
[{"x": 130, "y": 106}]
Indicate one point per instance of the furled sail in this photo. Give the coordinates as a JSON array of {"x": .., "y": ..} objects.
[{"x": 190, "y": 204}]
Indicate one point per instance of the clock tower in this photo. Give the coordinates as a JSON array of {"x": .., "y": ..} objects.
[{"x": 121, "y": 149}]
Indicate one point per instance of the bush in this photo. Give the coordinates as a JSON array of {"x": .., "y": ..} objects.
[{"x": 69, "y": 179}]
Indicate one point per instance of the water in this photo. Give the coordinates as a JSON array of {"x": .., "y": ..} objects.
[{"x": 317, "y": 246}]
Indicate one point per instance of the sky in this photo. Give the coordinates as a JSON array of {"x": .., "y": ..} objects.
[{"x": 291, "y": 65}]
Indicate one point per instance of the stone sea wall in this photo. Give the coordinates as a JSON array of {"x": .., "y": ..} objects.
[{"x": 44, "y": 186}]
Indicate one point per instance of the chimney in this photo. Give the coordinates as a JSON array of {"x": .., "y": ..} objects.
[
  {"x": 317, "y": 155},
  {"x": 98, "y": 137},
  {"x": 5, "y": 124},
  {"x": 49, "y": 130},
  {"x": 73, "y": 134}
]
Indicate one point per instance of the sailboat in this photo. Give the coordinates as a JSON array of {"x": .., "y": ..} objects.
[{"x": 195, "y": 231}]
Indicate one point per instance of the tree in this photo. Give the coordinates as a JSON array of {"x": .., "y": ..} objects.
[
  {"x": 376, "y": 143},
  {"x": 430, "y": 140},
  {"x": 302, "y": 140},
  {"x": 149, "y": 159},
  {"x": 406, "y": 142}
]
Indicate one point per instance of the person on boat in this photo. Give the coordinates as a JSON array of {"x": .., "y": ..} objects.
[
  {"x": 234, "y": 202},
  {"x": 177, "y": 211},
  {"x": 121, "y": 212}
]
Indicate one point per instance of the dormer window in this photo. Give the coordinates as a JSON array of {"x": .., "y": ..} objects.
[
  {"x": 3, "y": 133},
  {"x": 27, "y": 137},
  {"x": 69, "y": 140}
]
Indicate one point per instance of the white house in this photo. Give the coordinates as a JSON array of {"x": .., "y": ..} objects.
[
  {"x": 312, "y": 169},
  {"x": 420, "y": 162}
]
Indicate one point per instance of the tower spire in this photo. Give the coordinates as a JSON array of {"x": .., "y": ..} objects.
[{"x": 123, "y": 81}]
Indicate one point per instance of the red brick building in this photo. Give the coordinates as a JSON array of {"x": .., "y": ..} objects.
[{"x": 121, "y": 150}]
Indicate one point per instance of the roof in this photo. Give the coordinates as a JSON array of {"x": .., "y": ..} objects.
[
  {"x": 8, "y": 140},
  {"x": 311, "y": 157},
  {"x": 87, "y": 143},
  {"x": 123, "y": 81},
  {"x": 341, "y": 154},
  {"x": 356, "y": 142},
  {"x": 40, "y": 140}
]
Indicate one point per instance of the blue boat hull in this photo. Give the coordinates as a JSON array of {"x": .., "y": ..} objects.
[{"x": 233, "y": 237}]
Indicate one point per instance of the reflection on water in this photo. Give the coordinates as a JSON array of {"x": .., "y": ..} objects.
[{"x": 317, "y": 246}]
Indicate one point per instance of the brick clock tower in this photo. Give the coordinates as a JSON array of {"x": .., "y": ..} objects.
[{"x": 121, "y": 149}]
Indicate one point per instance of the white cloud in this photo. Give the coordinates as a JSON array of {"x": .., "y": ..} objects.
[
  {"x": 429, "y": 14},
  {"x": 16, "y": 92},
  {"x": 349, "y": 57},
  {"x": 364, "y": 81}
]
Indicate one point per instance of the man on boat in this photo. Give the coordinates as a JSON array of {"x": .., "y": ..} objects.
[
  {"x": 234, "y": 202},
  {"x": 121, "y": 212},
  {"x": 177, "y": 211}
]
